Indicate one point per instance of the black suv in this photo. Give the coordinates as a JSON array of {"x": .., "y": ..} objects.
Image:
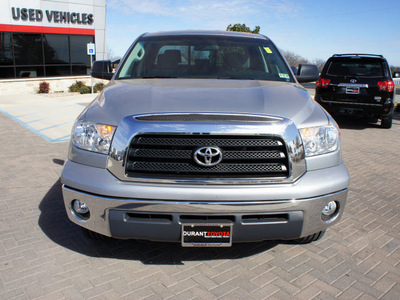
[{"x": 359, "y": 85}]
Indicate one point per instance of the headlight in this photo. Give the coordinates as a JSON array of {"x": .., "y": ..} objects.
[
  {"x": 92, "y": 137},
  {"x": 320, "y": 140}
]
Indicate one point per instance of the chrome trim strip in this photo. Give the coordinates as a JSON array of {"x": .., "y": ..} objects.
[
  {"x": 353, "y": 85},
  {"x": 224, "y": 117},
  {"x": 283, "y": 128}
]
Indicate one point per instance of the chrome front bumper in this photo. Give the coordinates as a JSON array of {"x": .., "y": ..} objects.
[{"x": 258, "y": 212}]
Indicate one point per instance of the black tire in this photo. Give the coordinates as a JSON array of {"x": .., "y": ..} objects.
[
  {"x": 310, "y": 238},
  {"x": 91, "y": 235},
  {"x": 386, "y": 122}
]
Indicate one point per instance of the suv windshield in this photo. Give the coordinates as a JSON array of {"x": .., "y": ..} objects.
[
  {"x": 365, "y": 68},
  {"x": 213, "y": 57}
]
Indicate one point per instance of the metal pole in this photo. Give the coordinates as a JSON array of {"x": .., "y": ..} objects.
[{"x": 91, "y": 77}]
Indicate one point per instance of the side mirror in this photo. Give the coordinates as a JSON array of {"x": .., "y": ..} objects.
[
  {"x": 115, "y": 64},
  {"x": 307, "y": 73},
  {"x": 102, "y": 69},
  {"x": 396, "y": 75}
]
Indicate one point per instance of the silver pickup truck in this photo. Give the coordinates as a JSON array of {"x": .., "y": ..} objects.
[{"x": 204, "y": 138}]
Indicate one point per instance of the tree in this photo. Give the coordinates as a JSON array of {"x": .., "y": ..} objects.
[
  {"x": 110, "y": 54},
  {"x": 320, "y": 63},
  {"x": 395, "y": 68},
  {"x": 294, "y": 59},
  {"x": 242, "y": 28}
]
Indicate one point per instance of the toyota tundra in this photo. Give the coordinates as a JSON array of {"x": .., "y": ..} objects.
[{"x": 204, "y": 138}]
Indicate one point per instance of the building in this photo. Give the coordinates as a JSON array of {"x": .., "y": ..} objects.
[{"x": 48, "y": 38}]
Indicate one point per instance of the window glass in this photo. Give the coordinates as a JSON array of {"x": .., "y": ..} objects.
[
  {"x": 181, "y": 51},
  {"x": 38, "y": 55},
  {"x": 197, "y": 54},
  {"x": 6, "y": 72},
  {"x": 30, "y": 72},
  {"x": 80, "y": 70},
  {"x": 28, "y": 49},
  {"x": 132, "y": 61},
  {"x": 205, "y": 57},
  {"x": 58, "y": 70},
  {"x": 5, "y": 49},
  {"x": 56, "y": 49},
  {"x": 79, "y": 49},
  {"x": 366, "y": 68}
]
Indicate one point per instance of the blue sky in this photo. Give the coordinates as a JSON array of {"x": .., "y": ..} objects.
[{"x": 310, "y": 28}]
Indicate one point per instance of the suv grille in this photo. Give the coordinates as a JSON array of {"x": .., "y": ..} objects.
[{"x": 173, "y": 156}]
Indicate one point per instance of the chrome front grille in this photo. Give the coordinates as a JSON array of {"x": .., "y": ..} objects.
[
  {"x": 165, "y": 149},
  {"x": 197, "y": 141},
  {"x": 172, "y": 156}
]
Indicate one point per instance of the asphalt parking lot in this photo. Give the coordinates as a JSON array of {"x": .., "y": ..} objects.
[{"x": 44, "y": 256}]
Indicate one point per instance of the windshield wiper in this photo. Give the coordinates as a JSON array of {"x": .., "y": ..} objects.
[
  {"x": 147, "y": 77},
  {"x": 237, "y": 78}
]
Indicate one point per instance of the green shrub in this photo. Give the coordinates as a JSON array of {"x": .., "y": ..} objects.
[
  {"x": 85, "y": 90},
  {"x": 98, "y": 87},
  {"x": 80, "y": 87},
  {"x": 76, "y": 87},
  {"x": 44, "y": 87}
]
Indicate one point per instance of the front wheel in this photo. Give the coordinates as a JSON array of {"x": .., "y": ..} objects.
[{"x": 386, "y": 122}]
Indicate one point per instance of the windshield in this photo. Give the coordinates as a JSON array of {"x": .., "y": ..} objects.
[{"x": 213, "y": 57}]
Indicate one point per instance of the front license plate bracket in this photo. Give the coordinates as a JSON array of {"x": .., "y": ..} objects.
[{"x": 206, "y": 235}]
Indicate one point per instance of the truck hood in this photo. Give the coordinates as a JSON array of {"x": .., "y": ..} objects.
[{"x": 122, "y": 98}]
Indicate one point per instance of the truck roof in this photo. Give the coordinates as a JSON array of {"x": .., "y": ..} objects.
[{"x": 205, "y": 32}]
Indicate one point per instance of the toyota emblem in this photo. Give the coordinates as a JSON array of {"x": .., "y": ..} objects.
[
  {"x": 353, "y": 80},
  {"x": 208, "y": 156}
]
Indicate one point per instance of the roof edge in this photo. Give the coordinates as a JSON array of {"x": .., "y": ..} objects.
[{"x": 205, "y": 32}]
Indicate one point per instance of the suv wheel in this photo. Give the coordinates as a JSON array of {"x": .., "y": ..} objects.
[{"x": 386, "y": 122}]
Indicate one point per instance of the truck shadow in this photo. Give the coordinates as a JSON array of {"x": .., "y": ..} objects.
[
  {"x": 55, "y": 224},
  {"x": 396, "y": 116},
  {"x": 349, "y": 122},
  {"x": 355, "y": 123}
]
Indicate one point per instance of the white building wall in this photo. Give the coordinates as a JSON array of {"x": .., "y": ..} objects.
[{"x": 100, "y": 29}]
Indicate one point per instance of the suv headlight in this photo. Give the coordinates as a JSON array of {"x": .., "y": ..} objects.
[
  {"x": 320, "y": 140},
  {"x": 92, "y": 137}
]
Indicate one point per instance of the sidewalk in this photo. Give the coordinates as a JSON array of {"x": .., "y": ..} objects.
[{"x": 48, "y": 115}]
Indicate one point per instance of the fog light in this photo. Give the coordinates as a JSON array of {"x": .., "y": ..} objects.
[
  {"x": 80, "y": 207},
  {"x": 80, "y": 210},
  {"x": 330, "y": 212},
  {"x": 329, "y": 209}
]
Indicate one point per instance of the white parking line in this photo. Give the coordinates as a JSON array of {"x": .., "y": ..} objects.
[{"x": 50, "y": 118}]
